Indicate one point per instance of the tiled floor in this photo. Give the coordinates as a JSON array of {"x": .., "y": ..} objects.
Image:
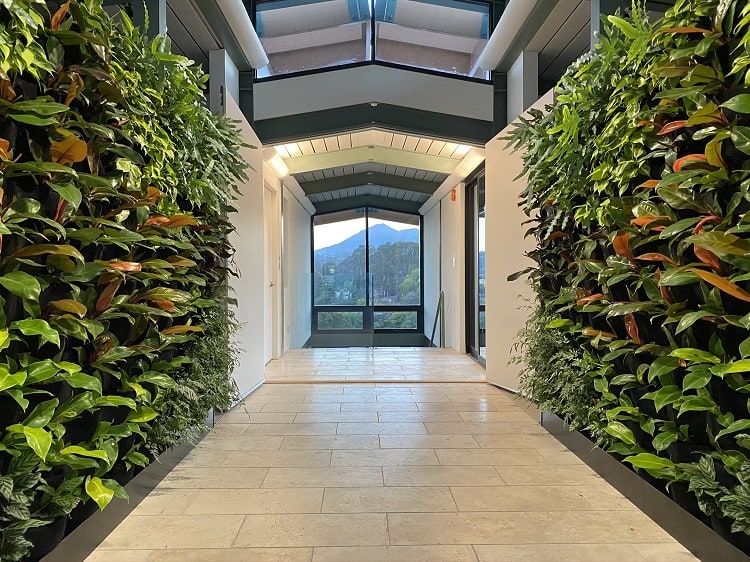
[{"x": 384, "y": 472}]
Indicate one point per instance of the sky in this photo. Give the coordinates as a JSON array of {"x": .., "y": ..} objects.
[{"x": 330, "y": 234}]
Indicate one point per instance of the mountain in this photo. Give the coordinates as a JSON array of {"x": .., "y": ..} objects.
[{"x": 379, "y": 234}]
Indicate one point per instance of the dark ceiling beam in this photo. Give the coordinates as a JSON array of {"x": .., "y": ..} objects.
[
  {"x": 369, "y": 178},
  {"x": 378, "y": 201},
  {"x": 405, "y": 120}
]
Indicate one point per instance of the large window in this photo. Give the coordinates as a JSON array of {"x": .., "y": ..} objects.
[
  {"x": 438, "y": 35},
  {"x": 367, "y": 272}
]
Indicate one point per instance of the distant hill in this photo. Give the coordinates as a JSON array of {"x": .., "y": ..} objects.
[{"x": 379, "y": 234}]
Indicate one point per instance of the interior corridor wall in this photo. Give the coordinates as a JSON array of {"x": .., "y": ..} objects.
[
  {"x": 297, "y": 276},
  {"x": 507, "y": 301},
  {"x": 249, "y": 241},
  {"x": 431, "y": 249},
  {"x": 453, "y": 258}
]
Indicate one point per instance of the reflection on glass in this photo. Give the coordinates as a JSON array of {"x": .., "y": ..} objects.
[
  {"x": 444, "y": 35},
  {"x": 340, "y": 259},
  {"x": 394, "y": 258},
  {"x": 300, "y": 35},
  {"x": 395, "y": 320},
  {"x": 340, "y": 321}
]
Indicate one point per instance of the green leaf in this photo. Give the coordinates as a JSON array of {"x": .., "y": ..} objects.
[
  {"x": 8, "y": 381},
  {"x": 80, "y": 380},
  {"x": 740, "y": 366},
  {"x": 98, "y": 492},
  {"x": 56, "y": 249},
  {"x": 721, "y": 243},
  {"x": 69, "y": 192},
  {"x": 4, "y": 336},
  {"x": 620, "y": 431},
  {"x": 739, "y": 425},
  {"x": 691, "y": 318},
  {"x": 38, "y": 439},
  {"x": 42, "y": 414},
  {"x": 695, "y": 355},
  {"x": 662, "y": 366},
  {"x": 741, "y": 139},
  {"x": 665, "y": 439},
  {"x": 142, "y": 414},
  {"x": 697, "y": 378},
  {"x": 739, "y": 103},
  {"x": 33, "y": 120},
  {"x": 41, "y": 371},
  {"x": 667, "y": 395},
  {"x": 76, "y": 450},
  {"x": 696, "y": 404},
  {"x": 648, "y": 461},
  {"x": 682, "y": 198},
  {"x": 679, "y": 226},
  {"x": 745, "y": 348},
  {"x": 22, "y": 285},
  {"x": 35, "y": 327},
  {"x": 166, "y": 294},
  {"x": 116, "y": 401},
  {"x": 559, "y": 323}
]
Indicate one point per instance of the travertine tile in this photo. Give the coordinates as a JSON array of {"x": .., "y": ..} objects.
[
  {"x": 331, "y": 477},
  {"x": 549, "y": 475},
  {"x": 254, "y": 443},
  {"x": 374, "y": 500},
  {"x": 166, "y": 501},
  {"x": 336, "y": 417},
  {"x": 118, "y": 556},
  {"x": 277, "y": 459},
  {"x": 233, "y": 555},
  {"x": 501, "y": 428},
  {"x": 664, "y": 552},
  {"x": 174, "y": 531},
  {"x": 238, "y": 501},
  {"x": 428, "y": 441},
  {"x": 441, "y": 476},
  {"x": 418, "y": 417},
  {"x": 296, "y": 407},
  {"x": 379, "y": 407},
  {"x": 351, "y": 529},
  {"x": 384, "y": 457},
  {"x": 510, "y": 441},
  {"x": 538, "y": 498},
  {"x": 331, "y": 442},
  {"x": 291, "y": 429},
  {"x": 572, "y": 552},
  {"x": 182, "y": 477},
  {"x": 490, "y": 457},
  {"x": 395, "y": 554},
  {"x": 256, "y": 417}
]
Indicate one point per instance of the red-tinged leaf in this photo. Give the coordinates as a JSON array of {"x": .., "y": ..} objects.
[
  {"x": 672, "y": 127},
  {"x": 567, "y": 257},
  {"x": 722, "y": 283},
  {"x": 621, "y": 244},
  {"x": 687, "y": 160},
  {"x": 592, "y": 333},
  {"x": 76, "y": 85},
  {"x": 165, "y": 305},
  {"x": 632, "y": 328},
  {"x": 658, "y": 228},
  {"x": 179, "y": 261},
  {"x": 557, "y": 234},
  {"x": 60, "y": 211},
  {"x": 645, "y": 221},
  {"x": 705, "y": 220},
  {"x": 184, "y": 328},
  {"x": 707, "y": 257},
  {"x": 69, "y": 305},
  {"x": 713, "y": 153},
  {"x": 4, "y": 149},
  {"x": 180, "y": 220},
  {"x": 105, "y": 299},
  {"x": 684, "y": 29},
  {"x": 646, "y": 123},
  {"x": 648, "y": 184},
  {"x": 68, "y": 151},
  {"x": 59, "y": 16},
  {"x": 156, "y": 219},
  {"x": 653, "y": 256},
  {"x": 591, "y": 298},
  {"x": 123, "y": 266},
  {"x": 663, "y": 289}
]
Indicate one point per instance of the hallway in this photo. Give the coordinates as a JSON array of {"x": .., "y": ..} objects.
[{"x": 382, "y": 472}]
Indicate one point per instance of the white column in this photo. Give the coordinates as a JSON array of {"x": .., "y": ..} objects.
[{"x": 523, "y": 84}]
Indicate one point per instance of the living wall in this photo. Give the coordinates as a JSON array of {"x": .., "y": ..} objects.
[
  {"x": 638, "y": 197},
  {"x": 115, "y": 185}
]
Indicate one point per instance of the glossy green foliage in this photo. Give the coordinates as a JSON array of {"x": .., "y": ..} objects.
[
  {"x": 638, "y": 180},
  {"x": 115, "y": 187}
]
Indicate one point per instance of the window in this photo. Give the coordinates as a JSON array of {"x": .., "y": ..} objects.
[
  {"x": 438, "y": 35},
  {"x": 394, "y": 258},
  {"x": 340, "y": 260}
]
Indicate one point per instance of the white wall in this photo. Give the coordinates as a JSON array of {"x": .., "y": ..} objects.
[
  {"x": 249, "y": 242},
  {"x": 372, "y": 83},
  {"x": 272, "y": 261},
  {"x": 505, "y": 255},
  {"x": 453, "y": 255},
  {"x": 431, "y": 243},
  {"x": 523, "y": 84},
  {"x": 297, "y": 276}
]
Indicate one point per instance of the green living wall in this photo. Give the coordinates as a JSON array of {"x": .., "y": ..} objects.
[
  {"x": 638, "y": 197},
  {"x": 115, "y": 186}
]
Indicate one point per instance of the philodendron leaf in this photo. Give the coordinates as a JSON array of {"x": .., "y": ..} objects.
[
  {"x": 22, "y": 285},
  {"x": 662, "y": 366},
  {"x": 696, "y": 404},
  {"x": 620, "y": 431},
  {"x": 667, "y": 395},
  {"x": 665, "y": 439},
  {"x": 98, "y": 492},
  {"x": 81, "y": 380},
  {"x": 76, "y": 450},
  {"x": 142, "y": 414},
  {"x": 697, "y": 378},
  {"x": 8, "y": 380},
  {"x": 649, "y": 461},
  {"x": 741, "y": 139},
  {"x": 69, "y": 192},
  {"x": 734, "y": 427},
  {"x": 739, "y": 103},
  {"x": 745, "y": 348},
  {"x": 4, "y": 339},
  {"x": 36, "y": 327},
  {"x": 695, "y": 355}
]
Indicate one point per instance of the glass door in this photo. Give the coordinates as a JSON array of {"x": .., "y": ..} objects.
[{"x": 476, "y": 282}]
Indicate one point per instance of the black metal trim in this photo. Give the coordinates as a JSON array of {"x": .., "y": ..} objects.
[{"x": 369, "y": 178}]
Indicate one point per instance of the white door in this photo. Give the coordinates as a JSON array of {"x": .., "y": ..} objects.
[{"x": 272, "y": 252}]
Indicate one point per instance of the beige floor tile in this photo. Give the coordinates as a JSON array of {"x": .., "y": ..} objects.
[
  {"x": 441, "y": 476},
  {"x": 538, "y": 498},
  {"x": 277, "y": 459},
  {"x": 561, "y": 552},
  {"x": 471, "y": 406},
  {"x": 291, "y": 429},
  {"x": 174, "y": 531},
  {"x": 411, "y": 417},
  {"x": 233, "y": 555},
  {"x": 489, "y": 441},
  {"x": 379, "y": 407},
  {"x": 395, "y": 499},
  {"x": 231, "y": 502},
  {"x": 490, "y": 457},
  {"x": 323, "y": 398},
  {"x": 559, "y": 456},
  {"x": 336, "y": 417},
  {"x": 165, "y": 501},
  {"x": 186, "y": 477},
  {"x": 214, "y": 442},
  {"x": 548, "y": 475},
  {"x": 395, "y": 554},
  {"x": 118, "y": 556},
  {"x": 331, "y": 442},
  {"x": 381, "y": 429},
  {"x": 260, "y": 417},
  {"x": 571, "y": 527},
  {"x": 436, "y": 428},
  {"x": 670, "y": 552},
  {"x": 510, "y": 416},
  {"x": 313, "y": 530},
  {"x": 428, "y": 441},
  {"x": 384, "y": 457},
  {"x": 331, "y": 477},
  {"x": 297, "y": 407}
]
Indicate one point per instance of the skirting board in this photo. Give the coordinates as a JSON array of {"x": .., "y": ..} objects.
[
  {"x": 79, "y": 544},
  {"x": 701, "y": 540}
]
